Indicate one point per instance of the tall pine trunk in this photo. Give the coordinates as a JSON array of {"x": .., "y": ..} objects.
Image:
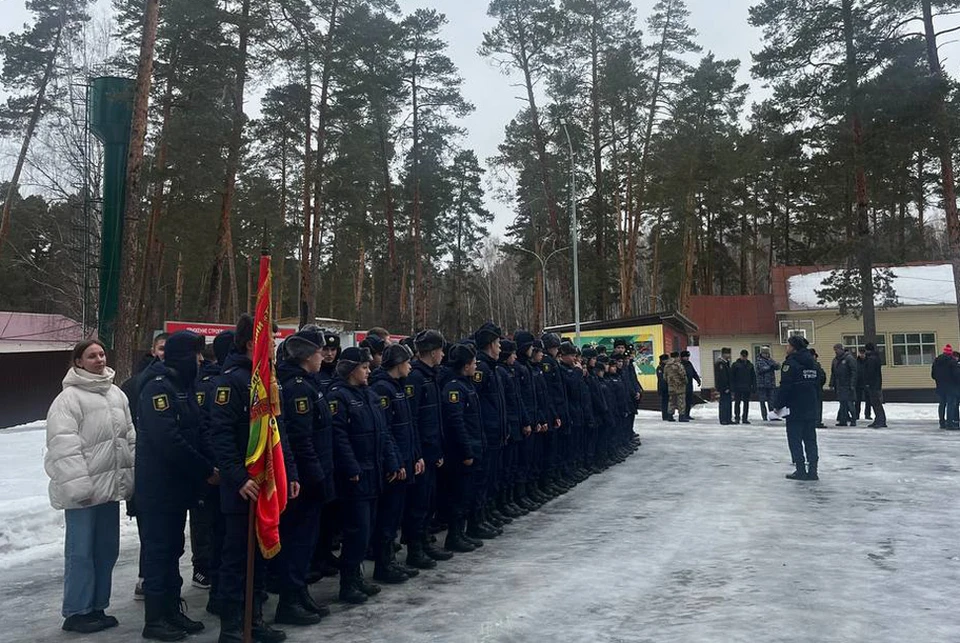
[
  {"x": 864, "y": 245},
  {"x": 942, "y": 120},
  {"x": 125, "y": 334},
  {"x": 225, "y": 231}
]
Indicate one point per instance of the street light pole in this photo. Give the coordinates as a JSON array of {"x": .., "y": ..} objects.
[
  {"x": 543, "y": 271},
  {"x": 574, "y": 233}
]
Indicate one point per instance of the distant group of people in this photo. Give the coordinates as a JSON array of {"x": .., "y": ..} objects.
[{"x": 380, "y": 440}]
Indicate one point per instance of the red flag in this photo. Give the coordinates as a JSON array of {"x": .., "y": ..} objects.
[{"x": 264, "y": 453}]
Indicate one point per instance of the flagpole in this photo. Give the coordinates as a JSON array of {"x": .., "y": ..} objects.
[{"x": 251, "y": 552}]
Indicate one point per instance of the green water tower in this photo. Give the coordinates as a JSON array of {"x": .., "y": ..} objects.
[{"x": 111, "y": 113}]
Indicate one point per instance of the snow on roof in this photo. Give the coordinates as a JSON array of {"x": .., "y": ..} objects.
[
  {"x": 914, "y": 285},
  {"x": 25, "y": 332}
]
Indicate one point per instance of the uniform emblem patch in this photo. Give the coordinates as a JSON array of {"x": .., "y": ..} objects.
[
  {"x": 478, "y": 376},
  {"x": 409, "y": 390},
  {"x": 384, "y": 402},
  {"x": 454, "y": 397},
  {"x": 303, "y": 405},
  {"x": 201, "y": 398},
  {"x": 223, "y": 395},
  {"x": 786, "y": 368},
  {"x": 160, "y": 403},
  {"x": 546, "y": 368},
  {"x": 334, "y": 407}
]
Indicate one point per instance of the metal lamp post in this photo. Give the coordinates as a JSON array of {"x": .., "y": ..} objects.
[
  {"x": 574, "y": 234},
  {"x": 543, "y": 270}
]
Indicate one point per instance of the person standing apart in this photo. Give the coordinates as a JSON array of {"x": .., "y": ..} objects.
[
  {"x": 692, "y": 376},
  {"x": 945, "y": 373},
  {"x": 91, "y": 444},
  {"x": 863, "y": 402},
  {"x": 744, "y": 380},
  {"x": 767, "y": 368},
  {"x": 799, "y": 378},
  {"x": 843, "y": 380},
  {"x": 676, "y": 377},
  {"x": 723, "y": 383},
  {"x": 873, "y": 385}
]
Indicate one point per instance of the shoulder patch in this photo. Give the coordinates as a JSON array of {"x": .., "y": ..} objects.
[
  {"x": 454, "y": 397},
  {"x": 384, "y": 402},
  {"x": 478, "y": 377},
  {"x": 303, "y": 405},
  {"x": 160, "y": 403},
  {"x": 334, "y": 407},
  {"x": 223, "y": 395},
  {"x": 408, "y": 389},
  {"x": 786, "y": 368},
  {"x": 546, "y": 368},
  {"x": 201, "y": 398}
]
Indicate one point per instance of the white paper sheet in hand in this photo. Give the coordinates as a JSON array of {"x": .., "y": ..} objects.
[{"x": 782, "y": 413}]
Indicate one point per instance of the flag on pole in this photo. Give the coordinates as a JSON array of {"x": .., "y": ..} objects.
[{"x": 264, "y": 454}]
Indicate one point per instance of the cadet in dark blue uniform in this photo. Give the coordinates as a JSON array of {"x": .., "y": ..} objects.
[
  {"x": 206, "y": 523},
  {"x": 558, "y": 437},
  {"x": 798, "y": 392},
  {"x": 572, "y": 379},
  {"x": 463, "y": 442},
  {"x": 493, "y": 415},
  {"x": 423, "y": 393},
  {"x": 584, "y": 468},
  {"x": 599, "y": 413},
  {"x": 170, "y": 475},
  {"x": 551, "y": 422},
  {"x": 527, "y": 493},
  {"x": 331, "y": 353},
  {"x": 365, "y": 460},
  {"x": 389, "y": 384},
  {"x": 518, "y": 429},
  {"x": 307, "y": 422},
  {"x": 229, "y": 430}
]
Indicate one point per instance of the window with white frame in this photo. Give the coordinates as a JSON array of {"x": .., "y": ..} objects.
[
  {"x": 914, "y": 349},
  {"x": 796, "y": 327},
  {"x": 855, "y": 342}
]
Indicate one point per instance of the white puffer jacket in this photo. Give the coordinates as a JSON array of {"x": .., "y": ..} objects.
[{"x": 90, "y": 442}]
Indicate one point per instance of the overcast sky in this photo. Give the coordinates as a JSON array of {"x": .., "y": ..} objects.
[{"x": 722, "y": 26}]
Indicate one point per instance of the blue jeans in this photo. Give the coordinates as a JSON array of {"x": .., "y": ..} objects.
[{"x": 90, "y": 551}]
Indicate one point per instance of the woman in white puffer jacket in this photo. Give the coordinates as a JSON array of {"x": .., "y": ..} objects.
[{"x": 90, "y": 455}]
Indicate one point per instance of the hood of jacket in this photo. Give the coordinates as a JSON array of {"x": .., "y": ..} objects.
[
  {"x": 89, "y": 381},
  {"x": 805, "y": 358}
]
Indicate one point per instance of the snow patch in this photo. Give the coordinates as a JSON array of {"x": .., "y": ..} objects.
[{"x": 914, "y": 285}]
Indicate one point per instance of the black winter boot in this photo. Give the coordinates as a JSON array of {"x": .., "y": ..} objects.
[
  {"x": 455, "y": 541},
  {"x": 156, "y": 627},
  {"x": 510, "y": 498},
  {"x": 799, "y": 474},
  {"x": 385, "y": 570},
  {"x": 506, "y": 508},
  {"x": 306, "y": 599},
  {"x": 263, "y": 633},
  {"x": 812, "y": 471},
  {"x": 494, "y": 518},
  {"x": 417, "y": 558},
  {"x": 432, "y": 551},
  {"x": 291, "y": 610},
  {"x": 177, "y": 617},
  {"x": 477, "y": 529},
  {"x": 231, "y": 622},
  {"x": 350, "y": 591}
]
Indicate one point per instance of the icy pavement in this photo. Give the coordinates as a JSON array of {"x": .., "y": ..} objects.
[{"x": 696, "y": 538}]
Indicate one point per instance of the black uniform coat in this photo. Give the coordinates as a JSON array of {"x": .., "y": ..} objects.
[
  {"x": 799, "y": 381},
  {"x": 721, "y": 376},
  {"x": 308, "y": 424},
  {"x": 229, "y": 429},
  {"x": 516, "y": 413},
  {"x": 946, "y": 373},
  {"x": 394, "y": 403},
  {"x": 463, "y": 429},
  {"x": 743, "y": 377},
  {"x": 574, "y": 393},
  {"x": 170, "y": 469},
  {"x": 362, "y": 443},
  {"x": 493, "y": 404},
  {"x": 544, "y": 402},
  {"x": 524, "y": 371},
  {"x": 555, "y": 388},
  {"x": 423, "y": 392}
]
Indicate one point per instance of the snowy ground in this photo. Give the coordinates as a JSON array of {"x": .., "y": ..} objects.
[{"x": 697, "y": 538}]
